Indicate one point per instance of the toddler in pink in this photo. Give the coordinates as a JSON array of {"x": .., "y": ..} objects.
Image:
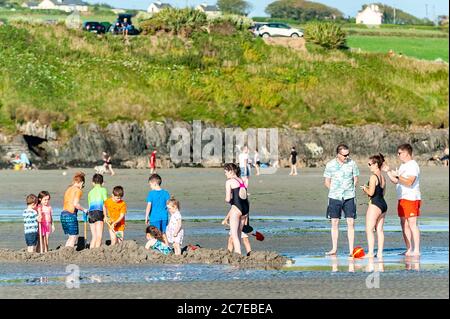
[{"x": 45, "y": 212}]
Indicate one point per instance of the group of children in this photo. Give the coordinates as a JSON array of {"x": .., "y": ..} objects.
[{"x": 161, "y": 231}]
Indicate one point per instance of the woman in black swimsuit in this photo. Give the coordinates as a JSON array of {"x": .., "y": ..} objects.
[
  {"x": 236, "y": 196},
  {"x": 376, "y": 211}
]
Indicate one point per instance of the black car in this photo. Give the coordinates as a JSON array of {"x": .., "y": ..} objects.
[
  {"x": 95, "y": 27},
  {"x": 120, "y": 24}
]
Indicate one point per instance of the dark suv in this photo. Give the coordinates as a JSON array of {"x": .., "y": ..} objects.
[{"x": 95, "y": 27}]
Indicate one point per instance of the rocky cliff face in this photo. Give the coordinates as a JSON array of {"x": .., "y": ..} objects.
[{"x": 131, "y": 143}]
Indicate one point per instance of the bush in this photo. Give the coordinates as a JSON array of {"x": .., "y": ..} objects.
[
  {"x": 176, "y": 21},
  {"x": 328, "y": 35}
]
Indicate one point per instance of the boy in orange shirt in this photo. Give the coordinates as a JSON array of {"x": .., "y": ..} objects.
[{"x": 116, "y": 209}]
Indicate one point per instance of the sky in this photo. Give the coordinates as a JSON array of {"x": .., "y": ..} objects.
[{"x": 417, "y": 8}]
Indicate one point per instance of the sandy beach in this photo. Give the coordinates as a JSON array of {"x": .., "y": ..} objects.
[{"x": 287, "y": 210}]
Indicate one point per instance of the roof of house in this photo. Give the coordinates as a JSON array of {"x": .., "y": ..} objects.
[
  {"x": 69, "y": 2},
  {"x": 161, "y": 5},
  {"x": 209, "y": 8}
]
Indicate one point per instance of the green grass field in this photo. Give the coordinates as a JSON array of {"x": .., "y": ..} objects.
[{"x": 421, "y": 48}]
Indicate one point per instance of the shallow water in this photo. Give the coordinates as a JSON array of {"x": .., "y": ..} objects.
[{"x": 432, "y": 260}]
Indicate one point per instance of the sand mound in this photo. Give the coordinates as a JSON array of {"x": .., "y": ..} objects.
[
  {"x": 297, "y": 44},
  {"x": 129, "y": 252}
]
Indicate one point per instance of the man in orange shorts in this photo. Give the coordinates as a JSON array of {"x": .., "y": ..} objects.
[{"x": 407, "y": 179}]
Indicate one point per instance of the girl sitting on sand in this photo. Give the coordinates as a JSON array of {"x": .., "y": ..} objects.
[
  {"x": 155, "y": 241},
  {"x": 174, "y": 231},
  {"x": 45, "y": 212}
]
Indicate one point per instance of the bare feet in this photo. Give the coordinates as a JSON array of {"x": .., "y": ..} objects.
[
  {"x": 369, "y": 256},
  {"x": 405, "y": 253},
  {"x": 413, "y": 254},
  {"x": 331, "y": 253}
]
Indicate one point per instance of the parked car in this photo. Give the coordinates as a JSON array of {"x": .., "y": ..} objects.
[
  {"x": 118, "y": 26},
  {"x": 93, "y": 26},
  {"x": 256, "y": 26},
  {"x": 279, "y": 30}
]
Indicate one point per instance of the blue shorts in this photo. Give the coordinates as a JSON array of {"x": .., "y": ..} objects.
[
  {"x": 31, "y": 239},
  {"x": 243, "y": 172},
  {"x": 160, "y": 224},
  {"x": 335, "y": 208},
  {"x": 69, "y": 223}
]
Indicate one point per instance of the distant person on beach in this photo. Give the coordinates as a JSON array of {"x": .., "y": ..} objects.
[
  {"x": 153, "y": 162},
  {"x": 445, "y": 158},
  {"x": 156, "y": 211},
  {"x": 45, "y": 212},
  {"x": 115, "y": 211},
  {"x": 244, "y": 165},
  {"x": 30, "y": 221},
  {"x": 155, "y": 240},
  {"x": 293, "y": 161},
  {"x": 407, "y": 180},
  {"x": 236, "y": 196},
  {"x": 96, "y": 200},
  {"x": 107, "y": 163},
  {"x": 174, "y": 231},
  {"x": 257, "y": 162},
  {"x": 376, "y": 211},
  {"x": 341, "y": 177},
  {"x": 72, "y": 197},
  {"x": 244, "y": 238},
  {"x": 125, "y": 27}
]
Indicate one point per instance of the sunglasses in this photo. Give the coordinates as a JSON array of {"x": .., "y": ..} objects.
[{"x": 346, "y": 155}]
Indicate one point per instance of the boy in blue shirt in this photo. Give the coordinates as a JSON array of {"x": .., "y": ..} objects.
[{"x": 157, "y": 206}]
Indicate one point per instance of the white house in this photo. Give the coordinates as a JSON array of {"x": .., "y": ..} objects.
[
  {"x": 211, "y": 11},
  {"x": 29, "y": 5},
  {"x": 156, "y": 7},
  {"x": 371, "y": 15},
  {"x": 64, "y": 5}
]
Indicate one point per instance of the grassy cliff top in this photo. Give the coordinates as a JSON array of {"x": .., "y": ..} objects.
[{"x": 64, "y": 77}]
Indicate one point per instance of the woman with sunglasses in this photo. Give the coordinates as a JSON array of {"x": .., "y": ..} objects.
[
  {"x": 376, "y": 211},
  {"x": 72, "y": 196}
]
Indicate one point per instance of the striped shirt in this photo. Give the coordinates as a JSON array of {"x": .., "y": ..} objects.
[{"x": 30, "y": 221}]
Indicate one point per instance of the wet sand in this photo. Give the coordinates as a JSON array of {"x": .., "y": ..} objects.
[{"x": 201, "y": 191}]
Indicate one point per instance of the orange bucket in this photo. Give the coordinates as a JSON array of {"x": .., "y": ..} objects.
[{"x": 358, "y": 252}]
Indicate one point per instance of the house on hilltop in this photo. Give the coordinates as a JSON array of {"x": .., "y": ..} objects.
[
  {"x": 156, "y": 7},
  {"x": 212, "y": 11},
  {"x": 371, "y": 15},
  {"x": 63, "y": 5}
]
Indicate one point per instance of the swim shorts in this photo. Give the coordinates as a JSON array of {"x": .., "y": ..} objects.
[
  {"x": 69, "y": 223},
  {"x": 408, "y": 208},
  {"x": 31, "y": 239},
  {"x": 160, "y": 224},
  {"x": 95, "y": 216},
  {"x": 335, "y": 208}
]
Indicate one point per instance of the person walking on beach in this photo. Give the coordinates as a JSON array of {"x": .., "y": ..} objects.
[
  {"x": 257, "y": 162},
  {"x": 107, "y": 163},
  {"x": 71, "y": 205},
  {"x": 446, "y": 157},
  {"x": 376, "y": 211},
  {"x": 96, "y": 200},
  {"x": 153, "y": 162},
  {"x": 407, "y": 181},
  {"x": 293, "y": 161},
  {"x": 244, "y": 165},
  {"x": 341, "y": 177},
  {"x": 236, "y": 196}
]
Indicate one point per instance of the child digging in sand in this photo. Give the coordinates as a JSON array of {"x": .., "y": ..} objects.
[
  {"x": 45, "y": 212},
  {"x": 174, "y": 231},
  {"x": 154, "y": 241},
  {"x": 116, "y": 209},
  {"x": 30, "y": 221}
]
